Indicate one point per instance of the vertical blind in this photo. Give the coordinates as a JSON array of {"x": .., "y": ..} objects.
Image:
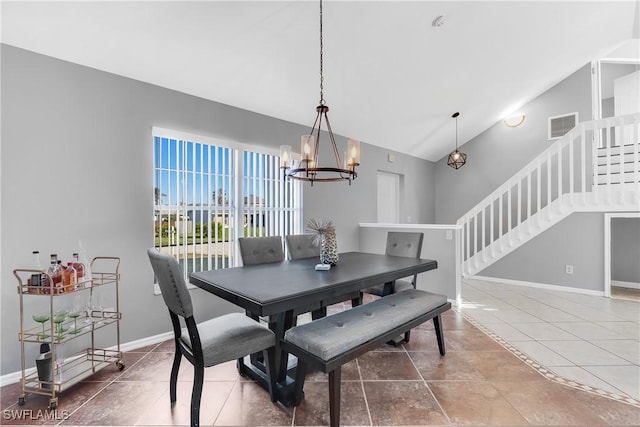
[{"x": 209, "y": 193}]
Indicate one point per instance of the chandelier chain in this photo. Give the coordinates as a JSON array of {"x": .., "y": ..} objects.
[{"x": 322, "y": 101}]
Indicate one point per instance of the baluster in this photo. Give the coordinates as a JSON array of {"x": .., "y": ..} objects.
[
  {"x": 560, "y": 201},
  {"x": 583, "y": 164},
  {"x": 549, "y": 185},
  {"x": 572, "y": 188}
]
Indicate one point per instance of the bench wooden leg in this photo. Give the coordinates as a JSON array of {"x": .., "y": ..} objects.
[
  {"x": 301, "y": 373},
  {"x": 437, "y": 325},
  {"x": 269, "y": 361},
  {"x": 334, "y": 397}
]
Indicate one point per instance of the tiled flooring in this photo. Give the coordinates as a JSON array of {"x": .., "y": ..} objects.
[
  {"x": 478, "y": 382},
  {"x": 588, "y": 339}
]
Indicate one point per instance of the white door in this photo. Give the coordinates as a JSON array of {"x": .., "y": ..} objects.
[{"x": 388, "y": 198}]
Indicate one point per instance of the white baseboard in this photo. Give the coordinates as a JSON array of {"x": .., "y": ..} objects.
[
  {"x": 621, "y": 284},
  {"x": 15, "y": 377},
  {"x": 540, "y": 285}
]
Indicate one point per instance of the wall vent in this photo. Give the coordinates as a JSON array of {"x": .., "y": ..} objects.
[{"x": 560, "y": 125}]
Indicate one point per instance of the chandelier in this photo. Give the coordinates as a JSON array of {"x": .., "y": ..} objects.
[
  {"x": 308, "y": 167},
  {"x": 456, "y": 158}
]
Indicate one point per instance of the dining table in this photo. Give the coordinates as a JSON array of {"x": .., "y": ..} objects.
[{"x": 280, "y": 290}]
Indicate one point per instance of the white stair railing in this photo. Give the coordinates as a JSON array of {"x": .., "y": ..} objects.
[{"x": 577, "y": 171}]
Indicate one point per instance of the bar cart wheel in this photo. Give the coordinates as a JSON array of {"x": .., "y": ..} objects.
[
  {"x": 21, "y": 401},
  {"x": 120, "y": 365},
  {"x": 53, "y": 403}
]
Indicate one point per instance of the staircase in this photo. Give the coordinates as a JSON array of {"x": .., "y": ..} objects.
[{"x": 593, "y": 168}]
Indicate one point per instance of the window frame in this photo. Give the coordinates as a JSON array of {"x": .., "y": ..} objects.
[{"x": 238, "y": 210}]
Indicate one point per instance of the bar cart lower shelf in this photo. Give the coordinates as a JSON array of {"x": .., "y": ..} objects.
[
  {"x": 64, "y": 372},
  {"x": 76, "y": 368}
]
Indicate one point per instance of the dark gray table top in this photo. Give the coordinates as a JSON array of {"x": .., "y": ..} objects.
[{"x": 278, "y": 287}]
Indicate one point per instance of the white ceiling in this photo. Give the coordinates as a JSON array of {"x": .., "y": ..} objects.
[{"x": 391, "y": 78}]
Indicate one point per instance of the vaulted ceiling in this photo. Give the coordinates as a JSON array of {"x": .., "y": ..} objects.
[{"x": 391, "y": 77}]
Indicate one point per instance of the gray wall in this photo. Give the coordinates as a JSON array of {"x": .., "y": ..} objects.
[
  {"x": 499, "y": 152},
  {"x": 578, "y": 240},
  {"x": 76, "y": 163},
  {"x": 625, "y": 249},
  {"x": 435, "y": 245}
]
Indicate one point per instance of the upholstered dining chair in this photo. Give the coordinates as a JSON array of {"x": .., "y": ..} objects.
[
  {"x": 261, "y": 250},
  {"x": 228, "y": 337},
  {"x": 400, "y": 243},
  {"x": 304, "y": 246}
]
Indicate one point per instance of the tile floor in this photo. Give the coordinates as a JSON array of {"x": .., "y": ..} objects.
[
  {"x": 588, "y": 339},
  {"x": 478, "y": 382}
]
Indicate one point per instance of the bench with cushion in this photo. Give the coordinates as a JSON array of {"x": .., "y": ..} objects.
[{"x": 328, "y": 343}]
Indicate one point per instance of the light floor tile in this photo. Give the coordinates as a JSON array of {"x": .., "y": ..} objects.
[
  {"x": 625, "y": 378},
  {"x": 544, "y": 331},
  {"x": 580, "y": 375},
  {"x": 627, "y": 349},
  {"x": 584, "y": 353},
  {"x": 511, "y": 316},
  {"x": 550, "y": 314},
  {"x": 630, "y": 330},
  {"x": 588, "y": 330},
  {"x": 541, "y": 354},
  {"x": 507, "y": 332}
]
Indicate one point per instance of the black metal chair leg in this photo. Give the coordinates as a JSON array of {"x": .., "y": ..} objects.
[
  {"x": 437, "y": 325},
  {"x": 196, "y": 394},
  {"x": 177, "y": 358},
  {"x": 334, "y": 397}
]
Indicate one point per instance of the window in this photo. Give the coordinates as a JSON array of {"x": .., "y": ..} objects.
[{"x": 207, "y": 193}]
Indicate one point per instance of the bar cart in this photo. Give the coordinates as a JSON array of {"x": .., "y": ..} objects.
[{"x": 55, "y": 329}]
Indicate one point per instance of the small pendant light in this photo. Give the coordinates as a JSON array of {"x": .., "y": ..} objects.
[{"x": 456, "y": 158}]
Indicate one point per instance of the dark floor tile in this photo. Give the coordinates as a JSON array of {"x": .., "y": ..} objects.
[
  {"x": 471, "y": 340},
  {"x": 501, "y": 366},
  {"x": 423, "y": 340},
  {"x": 454, "y": 365},
  {"x": 403, "y": 403},
  {"x": 610, "y": 411},
  {"x": 350, "y": 372},
  {"x": 145, "y": 349},
  {"x": 154, "y": 366},
  {"x": 9, "y": 395},
  {"x": 120, "y": 404},
  {"x": 544, "y": 402},
  {"x": 214, "y": 396},
  {"x": 249, "y": 404},
  {"x": 36, "y": 407},
  {"x": 474, "y": 402},
  {"x": 168, "y": 346},
  {"x": 112, "y": 371},
  {"x": 314, "y": 409},
  {"x": 388, "y": 366}
]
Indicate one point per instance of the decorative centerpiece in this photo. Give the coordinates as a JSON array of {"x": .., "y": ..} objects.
[{"x": 325, "y": 236}]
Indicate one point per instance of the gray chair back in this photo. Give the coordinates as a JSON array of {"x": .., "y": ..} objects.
[
  {"x": 302, "y": 246},
  {"x": 406, "y": 244},
  {"x": 171, "y": 281},
  {"x": 261, "y": 250}
]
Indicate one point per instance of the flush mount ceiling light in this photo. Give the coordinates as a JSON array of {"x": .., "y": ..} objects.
[
  {"x": 514, "y": 121},
  {"x": 438, "y": 21},
  {"x": 456, "y": 158},
  {"x": 308, "y": 168}
]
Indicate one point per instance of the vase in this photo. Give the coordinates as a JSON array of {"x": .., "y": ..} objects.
[{"x": 329, "y": 249}]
